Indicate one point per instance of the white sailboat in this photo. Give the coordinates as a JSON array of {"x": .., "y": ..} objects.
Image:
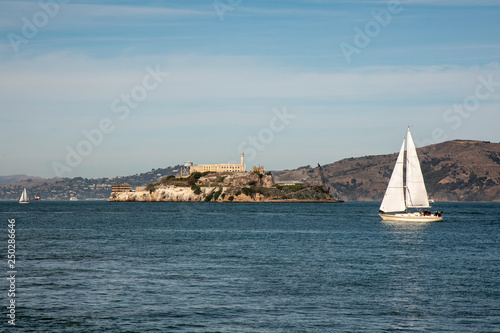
[
  {"x": 398, "y": 197},
  {"x": 24, "y": 197}
]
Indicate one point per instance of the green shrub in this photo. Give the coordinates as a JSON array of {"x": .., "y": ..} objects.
[
  {"x": 258, "y": 189},
  {"x": 319, "y": 189},
  {"x": 196, "y": 189},
  {"x": 151, "y": 188},
  {"x": 220, "y": 179},
  {"x": 165, "y": 180},
  {"x": 259, "y": 174},
  {"x": 247, "y": 191},
  {"x": 231, "y": 198},
  {"x": 250, "y": 191},
  {"x": 217, "y": 194},
  {"x": 209, "y": 197},
  {"x": 295, "y": 188},
  {"x": 195, "y": 175}
]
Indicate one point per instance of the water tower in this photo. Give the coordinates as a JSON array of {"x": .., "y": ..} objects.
[{"x": 186, "y": 169}]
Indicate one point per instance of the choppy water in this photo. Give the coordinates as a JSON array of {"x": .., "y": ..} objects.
[{"x": 173, "y": 267}]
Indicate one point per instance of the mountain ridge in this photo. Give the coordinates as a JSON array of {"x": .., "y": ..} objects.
[
  {"x": 16, "y": 178},
  {"x": 458, "y": 170}
]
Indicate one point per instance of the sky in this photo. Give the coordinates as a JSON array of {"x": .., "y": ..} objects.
[{"x": 112, "y": 88}]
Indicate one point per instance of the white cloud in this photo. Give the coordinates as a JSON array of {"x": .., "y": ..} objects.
[{"x": 66, "y": 77}]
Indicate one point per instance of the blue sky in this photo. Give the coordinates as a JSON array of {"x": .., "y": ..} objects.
[{"x": 232, "y": 67}]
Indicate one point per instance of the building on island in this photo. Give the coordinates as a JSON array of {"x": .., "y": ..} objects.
[
  {"x": 186, "y": 169},
  {"x": 259, "y": 169},
  {"x": 121, "y": 188},
  {"x": 224, "y": 167}
]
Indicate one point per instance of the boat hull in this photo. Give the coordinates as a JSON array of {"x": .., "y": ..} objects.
[{"x": 411, "y": 217}]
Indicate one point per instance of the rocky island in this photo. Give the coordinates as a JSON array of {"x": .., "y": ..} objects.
[{"x": 253, "y": 186}]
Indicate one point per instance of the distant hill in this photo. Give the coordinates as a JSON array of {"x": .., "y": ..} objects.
[
  {"x": 460, "y": 170},
  {"x": 78, "y": 187},
  {"x": 15, "y": 178}
]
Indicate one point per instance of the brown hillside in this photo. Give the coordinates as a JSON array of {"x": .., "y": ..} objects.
[{"x": 459, "y": 170}]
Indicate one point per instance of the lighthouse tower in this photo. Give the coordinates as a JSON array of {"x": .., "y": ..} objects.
[{"x": 242, "y": 158}]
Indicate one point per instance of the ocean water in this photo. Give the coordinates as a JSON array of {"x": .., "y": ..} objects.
[{"x": 201, "y": 267}]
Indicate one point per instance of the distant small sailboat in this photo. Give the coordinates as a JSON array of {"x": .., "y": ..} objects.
[
  {"x": 24, "y": 197},
  {"x": 398, "y": 197}
]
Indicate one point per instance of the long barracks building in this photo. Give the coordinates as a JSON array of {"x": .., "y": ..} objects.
[{"x": 224, "y": 167}]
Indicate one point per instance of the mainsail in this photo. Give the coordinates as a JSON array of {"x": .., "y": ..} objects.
[
  {"x": 24, "y": 196},
  {"x": 394, "y": 200},
  {"x": 416, "y": 194}
]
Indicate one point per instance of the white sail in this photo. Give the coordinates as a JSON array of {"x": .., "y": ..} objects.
[
  {"x": 394, "y": 200},
  {"x": 24, "y": 196},
  {"x": 416, "y": 194}
]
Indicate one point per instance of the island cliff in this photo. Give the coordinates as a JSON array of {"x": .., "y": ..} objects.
[{"x": 223, "y": 187}]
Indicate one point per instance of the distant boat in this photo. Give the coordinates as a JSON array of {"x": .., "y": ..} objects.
[
  {"x": 24, "y": 197},
  {"x": 396, "y": 200},
  {"x": 73, "y": 199}
]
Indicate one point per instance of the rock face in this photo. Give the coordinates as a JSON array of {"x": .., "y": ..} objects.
[
  {"x": 185, "y": 194},
  {"x": 168, "y": 193},
  {"x": 216, "y": 187}
]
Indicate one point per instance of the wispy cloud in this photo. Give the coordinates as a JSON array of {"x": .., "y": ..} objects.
[
  {"x": 78, "y": 14},
  {"x": 78, "y": 77}
]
